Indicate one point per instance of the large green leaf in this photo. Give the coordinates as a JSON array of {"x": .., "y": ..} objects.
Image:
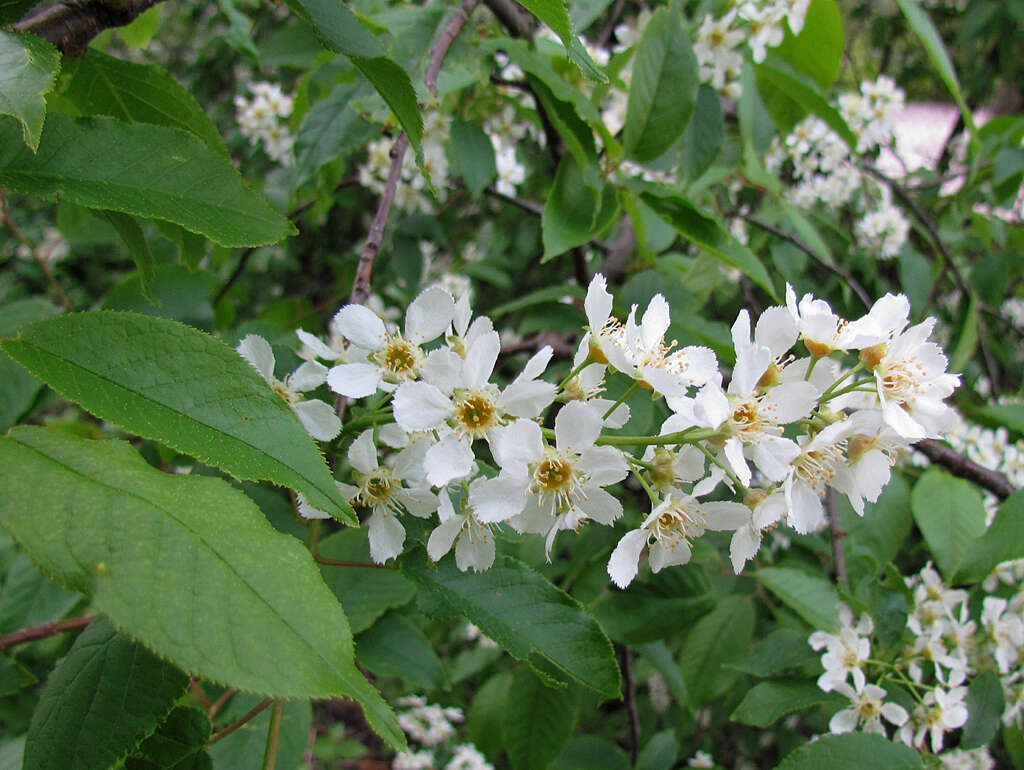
[
  {"x": 853, "y": 751},
  {"x": 524, "y": 613},
  {"x": 330, "y": 131},
  {"x": 135, "y": 240},
  {"x": 709, "y": 234},
  {"x": 538, "y": 721},
  {"x": 28, "y": 69},
  {"x": 788, "y": 99},
  {"x": 340, "y": 30},
  {"x": 635, "y": 617},
  {"x": 783, "y": 648},
  {"x": 767, "y": 702},
  {"x": 663, "y": 90},
  {"x": 818, "y": 49},
  {"x": 555, "y": 14},
  {"x": 104, "y": 697},
  {"x": 136, "y": 93},
  {"x": 884, "y": 526},
  {"x": 177, "y": 385},
  {"x": 156, "y": 172},
  {"x": 184, "y": 733},
  {"x": 811, "y": 597},
  {"x": 702, "y": 140},
  {"x": 1002, "y": 541},
  {"x": 395, "y": 646},
  {"x": 575, "y": 212},
  {"x": 187, "y": 565},
  {"x": 20, "y": 387},
  {"x": 717, "y": 639},
  {"x": 951, "y": 516},
  {"x": 985, "y": 709},
  {"x": 473, "y": 155}
]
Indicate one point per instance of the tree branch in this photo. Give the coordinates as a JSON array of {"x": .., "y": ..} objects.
[
  {"x": 962, "y": 466},
  {"x": 43, "y": 630},
  {"x": 629, "y": 695},
  {"x": 241, "y": 722},
  {"x": 835, "y": 527},
  {"x": 71, "y": 25}
]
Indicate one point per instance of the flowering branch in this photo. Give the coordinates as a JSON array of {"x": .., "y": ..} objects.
[
  {"x": 962, "y": 466},
  {"x": 43, "y": 630},
  {"x": 71, "y": 25}
]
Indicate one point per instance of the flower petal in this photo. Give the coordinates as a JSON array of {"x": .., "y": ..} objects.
[
  {"x": 443, "y": 536},
  {"x": 362, "y": 454},
  {"x": 354, "y": 380},
  {"x": 449, "y": 459},
  {"x": 360, "y": 326},
  {"x": 576, "y": 427},
  {"x": 420, "y": 406},
  {"x": 319, "y": 419},
  {"x": 429, "y": 315},
  {"x": 310, "y": 375},
  {"x": 625, "y": 559},
  {"x": 386, "y": 535},
  {"x": 256, "y": 350}
]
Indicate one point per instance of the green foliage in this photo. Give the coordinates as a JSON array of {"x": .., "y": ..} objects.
[
  {"x": 818, "y": 49},
  {"x": 851, "y": 751},
  {"x": 395, "y": 646},
  {"x": 707, "y": 651},
  {"x": 473, "y": 156},
  {"x": 767, "y": 702},
  {"x": 950, "y": 514},
  {"x": 540, "y": 720},
  {"x": 169, "y": 382},
  {"x": 811, "y": 597},
  {"x": 20, "y": 387},
  {"x": 245, "y": 748},
  {"x": 575, "y": 212},
  {"x": 28, "y": 69},
  {"x": 1002, "y": 541}
]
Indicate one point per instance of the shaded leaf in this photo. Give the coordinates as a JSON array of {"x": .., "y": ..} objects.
[
  {"x": 818, "y": 49},
  {"x": 853, "y": 751},
  {"x": 28, "y": 69},
  {"x": 951, "y": 516},
  {"x": 810, "y": 596},
  {"x": 767, "y": 702},
  {"x": 1002, "y": 541},
  {"x": 20, "y": 387},
  {"x": 717, "y": 639},
  {"x": 472, "y": 155},
  {"x": 395, "y": 646},
  {"x": 539, "y": 721}
]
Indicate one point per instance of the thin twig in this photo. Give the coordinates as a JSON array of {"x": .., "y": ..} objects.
[
  {"x": 836, "y": 268},
  {"x": 198, "y": 692},
  {"x": 241, "y": 722},
  {"x": 273, "y": 735},
  {"x": 838, "y": 554},
  {"x": 5, "y": 214},
  {"x": 512, "y": 17},
  {"x": 630, "y": 699},
  {"x": 71, "y": 25},
  {"x": 609, "y": 27},
  {"x": 243, "y": 262},
  {"x": 43, "y": 630},
  {"x": 965, "y": 468},
  {"x": 221, "y": 702}
]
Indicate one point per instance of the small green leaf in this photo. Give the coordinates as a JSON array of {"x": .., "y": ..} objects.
[
  {"x": 951, "y": 516},
  {"x": 717, "y": 639},
  {"x": 487, "y": 715},
  {"x": 818, "y": 49},
  {"x": 555, "y": 14},
  {"x": 140, "y": 32},
  {"x": 634, "y": 617},
  {"x": 788, "y": 99},
  {"x": 1002, "y": 541},
  {"x": 12, "y": 10},
  {"x": 156, "y": 172},
  {"x": 133, "y": 238},
  {"x": 187, "y": 565},
  {"x": 660, "y": 752},
  {"x": 1011, "y": 415},
  {"x": 811, "y": 597},
  {"x": 853, "y": 751},
  {"x": 539, "y": 721},
  {"x": 20, "y": 387},
  {"x": 472, "y": 155},
  {"x": 592, "y": 752},
  {"x": 14, "y": 677},
  {"x": 136, "y": 93},
  {"x": 524, "y": 613},
  {"x": 185, "y": 732},
  {"x": 767, "y": 702},
  {"x": 984, "y": 708},
  {"x": 395, "y": 646},
  {"x": 81, "y": 720},
  {"x": 702, "y": 140},
  {"x": 331, "y": 130},
  {"x": 884, "y": 526},
  {"x": 574, "y": 212},
  {"x": 663, "y": 91},
  {"x": 175, "y": 384},
  {"x": 967, "y": 340},
  {"x": 28, "y": 69},
  {"x": 783, "y": 648}
]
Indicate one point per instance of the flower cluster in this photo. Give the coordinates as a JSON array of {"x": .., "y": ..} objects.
[
  {"x": 773, "y": 438},
  {"x": 52, "y": 248},
  {"x": 825, "y": 170},
  {"x": 262, "y": 119},
  {"x": 415, "y": 189},
  {"x": 433, "y": 727}
]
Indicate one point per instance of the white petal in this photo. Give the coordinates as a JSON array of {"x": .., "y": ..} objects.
[
  {"x": 662, "y": 382},
  {"x": 723, "y": 517},
  {"x": 449, "y": 459},
  {"x": 791, "y": 401},
  {"x": 460, "y": 320},
  {"x": 743, "y": 547},
  {"x": 900, "y": 421},
  {"x": 598, "y": 304},
  {"x": 604, "y": 464},
  {"x": 256, "y": 350},
  {"x": 528, "y": 398},
  {"x": 443, "y": 536},
  {"x": 894, "y": 713},
  {"x": 655, "y": 322},
  {"x": 600, "y": 506},
  {"x": 770, "y": 510},
  {"x": 844, "y": 721},
  {"x": 476, "y": 554},
  {"x": 625, "y": 560},
  {"x": 319, "y": 419},
  {"x": 354, "y": 380},
  {"x": 386, "y": 535},
  {"x": 536, "y": 365},
  {"x": 576, "y": 427},
  {"x": 772, "y": 456},
  {"x": 429, "y": 315},
  {"x": 420, "y": 406},
  {"x": 498, "y": 499},
  {"x": 480, "y": 359},
  {"x": 443, "y": 369},
  {"x": 307, "y": 511},
  {"x": 518, "y": 443},
  {"x": 733, "y": 452},
  {"x": 662, "y": 556},
  {"x": 806, "y": 510},
  {"x": 360, "y": 326},
  {"x": 711, "y": 405},
  {"x": 310, "y": 375},
  {"x": 418, "y": 501},
  {"x": 408, "y": 464},
  {"x": 362, "y": 455},
  {"x": 616, "y": 419},
  {"x": 775, "y": 330},
  {"x": 317, "y": 346}
]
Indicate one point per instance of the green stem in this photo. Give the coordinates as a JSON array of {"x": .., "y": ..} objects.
[
  {"x": 837, "y": 383},
  {"x": 647, "y": 487},
  {"x": 732, "y": 476},
  {"x": 273, "y": 735},
  {"x": 688, "y": 436},
  {"x": 810, "y": 367},
  {"x": 576, "y": 370},
  {"x": 622, "y": 399},
  {"x": 827, "y": 396}
]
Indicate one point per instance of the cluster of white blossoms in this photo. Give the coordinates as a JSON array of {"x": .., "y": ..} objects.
[
  {"x": 433, "y": 727},
  {"x": 52, "y": 248},
  {"x": 946, "y": 643},
  {"x": 263, "y": 119},
  {"x": 825, "y": 170},
  {"x": 414, "y": 191},
  {"x": 785, "y": 427}
]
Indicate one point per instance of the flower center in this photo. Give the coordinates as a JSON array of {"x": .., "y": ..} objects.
[
  {"x": 901, "y": 380},
  {"x": 870, "y": 709},
  {"x": 400, "y": 359},
  {"x": 476, "y": 413},
  {"x": 377, "y": 487},
  {"x": 682, "y": 521},
  {"x": 555, "y": 477},
  {"x": 748, "y": 420},
  {"x": 817, "y": 467}
]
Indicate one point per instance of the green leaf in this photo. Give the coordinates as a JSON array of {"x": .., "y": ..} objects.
[
  {"x": 133, "y": 238},
  {"x": 244, "y": 749},
  {"x": 717, "y": 639},
  {"x": 811, "y": 597},
  {"x": 340, "y": 30},
  {"x": 884, "y": 526},
  {"x": 702, "y": 140},
  {"x": 922, "y": 26},
  {"x": 395, "y": 646},
  {"x": 540, "y": 296},
  {"x": 187, "y": 565},
  {"x": 634, "y": 617},
  {"x": 539, "y": 721},
  {"x": 157, "y": 172},
  {"x": 136, "y": 93},
  {"x": 1010, "y": 415},
  {"x": 951, "y": 516},
  {"x": 577, "y": 134},
  {"x": 329, "y": 131},
  {"x": 985, "y": 708},
  {"x": 29, "y": 597},
  {"x": 574, "y": 212},
  {"x": 663, "y": 91},
  {"x": 169, "y": 382},
  {"x": 140, "y": 32},
  {"x": 1002, "y": 541},
  {"x": 967, "y": 340},
  {"x": 28, "y": 70},
  {"x": 524, "y": 613},
  {"x": 767, "y": 702},
  {"x": 12, "y": 10},
  {"x": 487, "y": 715},
  {"x": 1013, "y": 740},
  {"x": 659, "y": 753},
  {"x": 472, "y": 155},
  {"x": 555, "y": 14},
  {"x": 592, "y": 752},
  {"x": 709, "y": 234},
  {"x": 20, "y": 387},
  {"x": 365, "y": 593},
  {"x": 579, "y": 56},
  {"x": 82, "y": 720},
  {"x": 14, "y": 677},
  {"x": 783, "y": 648},
  {"x": 185, "y": 732},
  {"x": 818, "y": 49},
  {"x": 853, "y": 751},
  {"x": 788, "y": 99}
]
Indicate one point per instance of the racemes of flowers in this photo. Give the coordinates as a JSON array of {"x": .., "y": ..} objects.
[
  {"x": 434, "y": 728},
  {"x": 812, "y": 401},
  {"x": 262, "y": 119}
]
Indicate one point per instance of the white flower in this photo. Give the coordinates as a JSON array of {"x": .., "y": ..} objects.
[
  {"x": 392, "y": 358},
  {"x": 588, "y": 384},
  {"x": 765, "y": 28},
  {"x": 669, "y": 530},
  {"x": 388, "y": 492},
  {"x": 824, "y": 332},
  {"x": 868, "y": 710},
  {"x": 475, "y": 546},
  {"x": 870, "y": 450},
  {"x": 545, "y": 489},
  {"x": 466, "y": 757},
  {"x": 408, "y": 760},
  {"x": 846, "y": 652},
  {"x": 811, "y": 472},
  {"x": 701, "y": 759},
  {"x": 428, "y": 724},
  {"x": 317, "y": 417},
  {"x": 942, "y": 711},
  {"x": 1005, "y": 630},
  {"x": 765, "y": 513}
]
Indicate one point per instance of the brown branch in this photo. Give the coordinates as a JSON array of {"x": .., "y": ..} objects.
[
  {"x": 609, "y": 27},
  {"x": 5, "y": 216},
  {"x": 629, "y": 696},
  {"x": 71, "y": 25},
  {"x": 241, "y": 722},
  {"x": 221, "y": 702},
  {"x": 198, "y": 692},
  {"x": 835, "y": 526},
  {"x": 962, "y": 466},
  {"x": 512, "y": 17},
  {"x": 43, "y": 630}
]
